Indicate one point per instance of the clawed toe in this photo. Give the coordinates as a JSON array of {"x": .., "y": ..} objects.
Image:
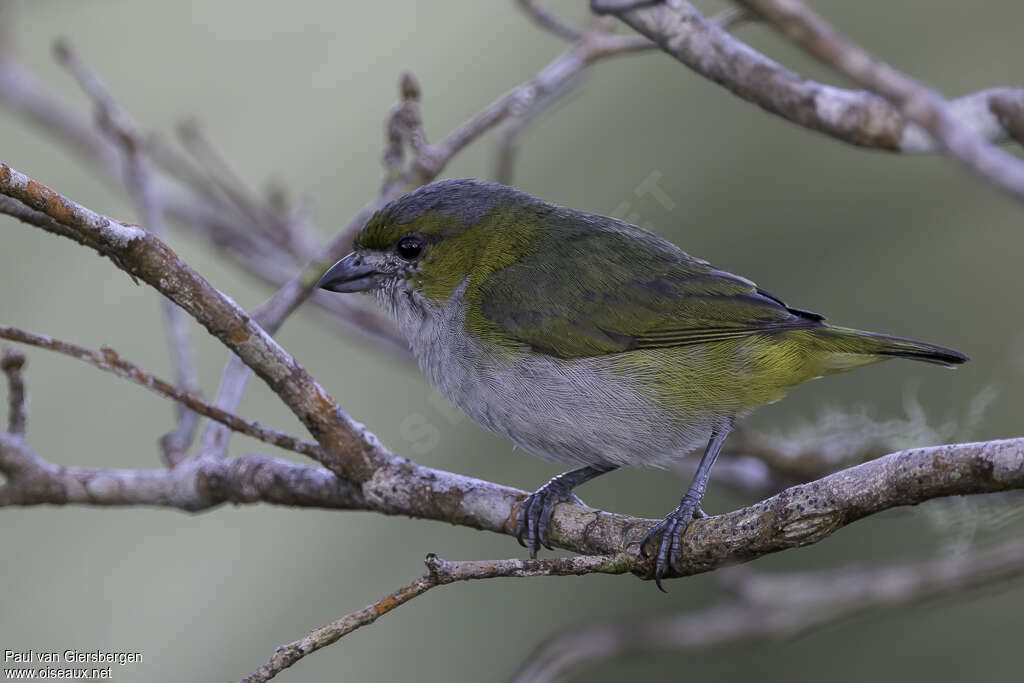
[
  {"x": 671, "y": 530},
  {"x": 535, "y": 513}
]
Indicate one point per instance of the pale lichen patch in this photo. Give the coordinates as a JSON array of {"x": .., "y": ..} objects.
[
  {"x": 119, "y": 234},
  {"x": 102, "y": 488}
]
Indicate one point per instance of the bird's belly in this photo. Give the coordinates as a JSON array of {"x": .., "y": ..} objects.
[{"x": 578, "y": 412}]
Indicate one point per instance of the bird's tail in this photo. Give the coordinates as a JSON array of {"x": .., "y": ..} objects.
[{"x": 847, "y": 348}]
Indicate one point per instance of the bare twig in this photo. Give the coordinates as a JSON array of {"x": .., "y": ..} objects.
[
  {"x": 287, "y": 655},
  {"x": 119, "y": 125},
  {"x": 548, "y": 20},
  {"x": 220, "y": 173},
  {"x": 12, "y": 363},
  {"x": 596, "y": 43},
  {"x": 404, "y": 126},
  {"x": 107, "y": 359},
  {"x": 594, "y": 46},
  {"x": 186, "y": 193},
  {"x": 439, "y": 573},
  {"x": 916, "y": 101},
  {"x": 777, "y": 607},
  {"x": 521, "y": 106},
  {"x": 856, "y": 117},
  {"x": 344, "y": 446},
  {"x": 731, "y": 17}
]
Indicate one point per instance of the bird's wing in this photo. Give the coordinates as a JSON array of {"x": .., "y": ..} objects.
[{"x": 611, "y": 287}]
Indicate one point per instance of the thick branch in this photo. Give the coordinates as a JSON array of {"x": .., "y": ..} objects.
[
  {"x": 798, "y": 516},
  {"x": 917, "y": 102},
  {"x": 853, "y": 116},
  {"x": 194, "y": 484},
  {"x": 346, "y": 449}
]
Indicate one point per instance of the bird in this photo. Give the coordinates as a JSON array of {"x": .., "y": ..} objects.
[{"x": 589, "y": 341}]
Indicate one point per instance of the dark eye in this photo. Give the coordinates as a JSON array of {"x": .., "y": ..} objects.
[{"x": 409, "y": 247}]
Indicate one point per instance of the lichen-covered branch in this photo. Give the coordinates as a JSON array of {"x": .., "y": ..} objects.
[
  {"x": 798, "y": 516},
  {"x": 345, "y": 448},
  {"x": 853, "y": 116},
  {"x": 914, "y": 100},
  {"x": 195, "y": 484}
]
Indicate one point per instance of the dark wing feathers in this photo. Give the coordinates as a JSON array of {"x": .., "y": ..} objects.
[{"x": 596, "y": 286}]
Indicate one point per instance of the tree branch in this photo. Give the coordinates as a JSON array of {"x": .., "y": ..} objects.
[
  {"x": 915, "y": 101},
  {"x": 776, "y": 607},
  {"x": 186, "y": 194},
  {"x": 548, "y": 21},
  {"x": 194, "y": 485},
  {"x": 404, "y": 126},
  {"x": 345, "y": 447},
  {"x": 439, "y": 573},
  {"x": 12, "y": 363},
  {"x": 109, "y": 360},
  {"x": 115, "y": 121},
  {"x": 853, "y": 116}
]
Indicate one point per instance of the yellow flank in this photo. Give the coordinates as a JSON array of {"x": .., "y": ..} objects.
[{"x": 733, "y": 376}]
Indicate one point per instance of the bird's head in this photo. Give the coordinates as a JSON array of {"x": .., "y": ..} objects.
[{"x": 430, "y": 241}]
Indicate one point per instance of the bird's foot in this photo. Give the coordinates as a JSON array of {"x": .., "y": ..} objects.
[
  {"x": 535, "y": 513},
  {"x": 671, "y": 530}
]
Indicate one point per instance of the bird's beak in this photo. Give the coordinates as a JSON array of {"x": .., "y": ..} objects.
[{"x": 350, "y": 274}]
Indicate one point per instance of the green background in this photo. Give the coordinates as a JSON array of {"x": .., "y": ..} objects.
[{"x": 297, "y": 92}]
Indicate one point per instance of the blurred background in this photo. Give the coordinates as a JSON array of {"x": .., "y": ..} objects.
[{"x": 297, "y": 93}]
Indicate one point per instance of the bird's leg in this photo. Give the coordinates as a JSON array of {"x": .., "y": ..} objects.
[
  {"x": 535, "y": 512},
  {"x": 672, "y": 527}
]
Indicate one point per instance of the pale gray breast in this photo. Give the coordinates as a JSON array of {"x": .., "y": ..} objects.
[{"x": 577, "y": 412}]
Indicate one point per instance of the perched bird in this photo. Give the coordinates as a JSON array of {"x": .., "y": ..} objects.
[{"x": 589, "y": 341}]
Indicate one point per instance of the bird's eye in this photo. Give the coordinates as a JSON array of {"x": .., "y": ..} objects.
[{"x": 409, "y": 247}]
